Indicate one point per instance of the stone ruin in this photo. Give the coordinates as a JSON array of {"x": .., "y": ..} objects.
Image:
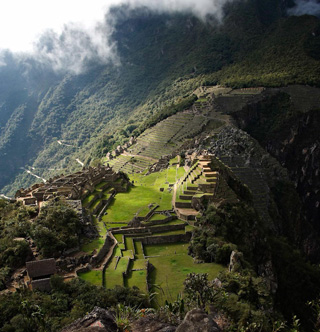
[
  {"x": 72, "y": 187},
  {"x": 120, "y": 149}
]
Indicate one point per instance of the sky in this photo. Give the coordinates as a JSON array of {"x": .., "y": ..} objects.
[
  {"x": 66, "y": 34},
  {"x": 23, "y": 21}
]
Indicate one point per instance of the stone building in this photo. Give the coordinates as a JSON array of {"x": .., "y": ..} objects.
[{"x": 39, "y": 273}]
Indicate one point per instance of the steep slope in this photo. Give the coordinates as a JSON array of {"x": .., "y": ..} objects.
[{"x": 161, "y": 58}]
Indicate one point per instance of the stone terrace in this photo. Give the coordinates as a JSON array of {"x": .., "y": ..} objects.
[
  {"x": 74, "y": 186},
  {"x": 162, "y": 139}
]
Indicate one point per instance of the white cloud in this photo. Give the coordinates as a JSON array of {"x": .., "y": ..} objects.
[
  {"x": 310, "y": 7},
  {"x": 69, "y": 33}
]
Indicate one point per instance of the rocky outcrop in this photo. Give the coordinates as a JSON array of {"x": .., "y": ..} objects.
[
  {"x": 98, "y": 320},
  {"x": 197, "y": 320},
  {"x": 235, "y": 261},
  {"x": 149, "y": 324}
]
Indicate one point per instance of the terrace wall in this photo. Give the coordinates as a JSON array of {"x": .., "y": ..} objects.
[
  {"x": 104, "y": 250},
  {"x": 166, "y": 239}
]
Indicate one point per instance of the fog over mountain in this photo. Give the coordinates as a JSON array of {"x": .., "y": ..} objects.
[
  {"x": 302, "y": 7},
  {"x": 78, "y": 43}
]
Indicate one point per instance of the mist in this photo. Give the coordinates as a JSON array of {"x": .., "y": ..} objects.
[
  {"x": 302, "y": 7},
  {"x": 75, "y": 45}
]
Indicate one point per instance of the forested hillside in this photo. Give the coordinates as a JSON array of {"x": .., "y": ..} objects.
[{"x": 49, "y": 120}]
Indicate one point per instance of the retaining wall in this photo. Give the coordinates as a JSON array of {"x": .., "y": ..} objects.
[
  {"x": 103, "y": 251},
  {"x": 166, "y": 239}
]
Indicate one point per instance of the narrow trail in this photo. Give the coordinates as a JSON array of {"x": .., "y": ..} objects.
[
  {"x": 4, "y": 196},
  {"x": 35, "y": 175},
  {"x": 80, "y": 162},
  {"x": 61, "y": 143}
]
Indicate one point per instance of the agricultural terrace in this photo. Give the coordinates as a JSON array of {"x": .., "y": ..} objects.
[
  {"x": 162, "y": 139},
  {"x": 151, "y": 195}
]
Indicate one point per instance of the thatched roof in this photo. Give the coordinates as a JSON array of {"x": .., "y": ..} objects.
[{"x": 41, "y": 268}]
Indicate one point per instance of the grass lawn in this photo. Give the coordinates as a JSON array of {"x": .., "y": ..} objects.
[
  {"x": 100, "y": 185},
  {"x": 118, "y": 237},
  {"x": 91, "y": 246},
  {"x": 139, "y": 264},
  {"x": 138, "y": 248},
  {"x": 96, "y": 243},
  {"x": 129, "y": 243},
  {"x": 94, "y": 277},
  {"x": 171, "y": 270},
  {"x": 127, "y": 253},
  {"x": 126, "y": 205},
  {"x": 138, "y": 279},
  {"x": 165, "y": 249},
  {"x": 180, "y": 172},
  {"x": 177, "y": 232},
  {"x": 115, "y": 225},
  {"x": 88, "y": 199},
  {"x": 158, "y": 216},
  {"x": 115, "y": 277},
  {"x": 172, "y": 222}
]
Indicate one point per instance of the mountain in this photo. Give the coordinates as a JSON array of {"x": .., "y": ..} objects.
[
  {"x": 161, "y": 59},
  {"x": 246, "y": 90}
]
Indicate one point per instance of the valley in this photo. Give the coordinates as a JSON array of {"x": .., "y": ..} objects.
[{"x": 160, "y": 172}]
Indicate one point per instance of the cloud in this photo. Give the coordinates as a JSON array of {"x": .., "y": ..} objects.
[
  {"x": 74, "y": 46},
  {"x": 200, "y": 8},
  {"x": 302, "y": 7}
]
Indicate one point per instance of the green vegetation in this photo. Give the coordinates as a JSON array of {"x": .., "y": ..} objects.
[
  {"x": 171, "y": 268},
  {"x": 94, "y": 277},
  {"x": 47, "y": 312},
  {"x": 57, "y": 228},
  {"x": 14, "y": 228}
]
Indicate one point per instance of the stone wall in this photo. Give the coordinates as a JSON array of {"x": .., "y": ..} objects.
[
  {"x": 103, "y": 251},
  {"x": 166, "y": 239},
  {"x": 107, "y": 202},
  {"x": 183, "y": 205},
  {"x": 150, "y": 268}
]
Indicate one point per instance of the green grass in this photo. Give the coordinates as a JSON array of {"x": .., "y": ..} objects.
[
  {"x": 118, "y": 237},
  {"x": 126, "y": 205},
  {"x": 189, "y": 228},
  {"x": 91, "y": 246},
  {"x": 96, "y": 243},
  {"x": 129, "y": 243},
  {"x": 100, "y": 185},
  {"x": 138, "y": 248},
  {"x": 127, "y": 253},
  {"x": 180, "y": 172},
  {"x": 158, "y": 216},
  {"x": 88, "y": 199},
  {"x": 115, "y": 277},
  {"x": 164, "y": 249},
  {"x": 175, "y": 160},
  {"x": 139, "y": 264},
  {"x": 94, "y": 277},
  {"x": 171, "y": 269},
  {"x": 177, "y": 232},
  {"x": 115, "y": 225},
  {"x": 138, "y": 279}
]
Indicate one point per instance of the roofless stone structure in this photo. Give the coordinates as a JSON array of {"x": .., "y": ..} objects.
[{"x": 73, "y": 186}]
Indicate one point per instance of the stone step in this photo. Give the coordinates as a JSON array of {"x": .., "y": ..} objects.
[
  {"x": 186, "y": 197},
  {"x": 189, "y": 192},
  {"x": 192, "y": 188},
  {"x": 210, "y": 174}
]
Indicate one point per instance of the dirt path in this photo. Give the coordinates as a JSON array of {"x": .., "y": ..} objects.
[{"x": 35, "y": 175}]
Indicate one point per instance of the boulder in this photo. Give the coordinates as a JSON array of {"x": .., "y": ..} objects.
[
  {"x": 149, "y": 324},
  {"x": 98, "y": 320},
  {"x": 197, "y": 320}
]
